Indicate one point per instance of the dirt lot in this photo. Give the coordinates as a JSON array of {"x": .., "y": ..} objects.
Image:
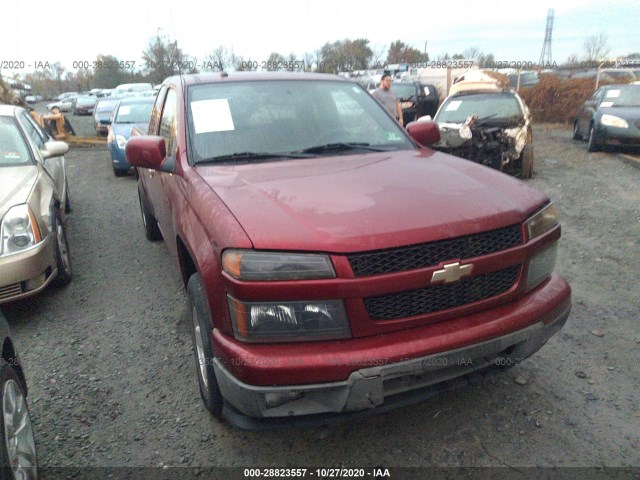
[{"x": 112, "y": 378}]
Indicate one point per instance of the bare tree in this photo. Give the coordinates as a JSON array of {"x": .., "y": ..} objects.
[{"x": 596, "y": 47}]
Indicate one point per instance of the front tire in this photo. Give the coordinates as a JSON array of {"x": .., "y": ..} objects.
[
  {"x": 527, "y": 162},
  {"x": 63, "y": 256},
  {"x": 202, "y": 349},
  {"x": 151, "y": 229},
  {"x": 593, "y": 145},
  {"x": 19, "y": 457}
]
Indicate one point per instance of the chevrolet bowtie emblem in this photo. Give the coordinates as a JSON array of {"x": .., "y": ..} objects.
[{"x": 451, "y": 272}]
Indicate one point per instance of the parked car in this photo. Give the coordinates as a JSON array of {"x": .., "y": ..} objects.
[
  {"x": 333, "y": 266},
  {"x": 33, "y": 98},
  {"x": 34, "y": 198},
  {"x": 416, "y": 100},
  {"x": 84, "y": 105},
  {"x": 127, "y": 88},
  {"x": 102, "y": 115},
  {"x": 20, "y": 459},
  {"x": 128, "y": 114},
  {"x": 487, "y": 125},
  {"x": 523, "y": 79},
  {"x": 65, "y": 105},
  {"x": 611, "y": 117}
]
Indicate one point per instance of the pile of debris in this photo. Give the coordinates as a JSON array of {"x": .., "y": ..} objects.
[{"x": 8, "y": 96}]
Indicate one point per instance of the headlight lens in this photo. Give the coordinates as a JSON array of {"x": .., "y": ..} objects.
[
  {"x": 265, "y": 266},
  {"x": 19, "y": 230},
  {"x": 288, "y": 321},
  {"x": 543, "y": 221},
  {"x": 122, "y": 142},
  {"x": 541, "y": 266},
  {"x": 613, "y": 121}
]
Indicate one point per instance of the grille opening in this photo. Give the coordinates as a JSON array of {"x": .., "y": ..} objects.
[
  {"x": 423, "y": 255},
  {"x": 435, "y": 298}
]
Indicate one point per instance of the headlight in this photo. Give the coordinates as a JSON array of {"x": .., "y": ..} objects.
[
  {"x": 543, "y": 221},
  {"x": 122, "y": 142},
  {"x": 613, "y": 121},
  {"x": 19, "y": 230},
  {"x": 288, "y": 321},
  {"x": 541, "y": 266},
  {"x": 265, "y": 266}
]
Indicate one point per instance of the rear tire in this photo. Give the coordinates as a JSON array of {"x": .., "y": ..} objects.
[
  {"x": 119, "y": 173},
  {"x": 576, "y": 133},
  {"x": 151, "y": 229},
  {"x": 201, "y": 327}
]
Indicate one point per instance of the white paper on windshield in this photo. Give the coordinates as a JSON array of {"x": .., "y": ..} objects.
[
  {"x": 606, "y": 104},
  {"x": 613, "y": 93},
  {"x": 124, "y": 110},
  {"x": 453, "y": 106},
  {"x": 212, "y": 116}
]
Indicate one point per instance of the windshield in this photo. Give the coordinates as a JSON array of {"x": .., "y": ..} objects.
[
  {"x": 497, "y": 106},
  {"x": 106, "y": 106},
  {"x": 134, "y": 113},
  {"x": 271, "y": 117},
  {"x": 13, "y": 148},
  {"x": 622, "y": 97},
  {"x": 403, "y": 90}
]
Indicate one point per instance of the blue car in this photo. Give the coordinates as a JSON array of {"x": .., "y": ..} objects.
[{"x": 129, "y": 113}]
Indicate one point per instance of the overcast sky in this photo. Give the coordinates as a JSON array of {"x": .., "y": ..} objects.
[{"x": 511, "y": 30}]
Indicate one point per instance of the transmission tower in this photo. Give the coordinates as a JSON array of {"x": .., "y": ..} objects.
[{"x": 545, "y": 55}]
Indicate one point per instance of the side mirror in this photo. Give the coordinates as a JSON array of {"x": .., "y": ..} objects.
[
  {"x": 424, "y": 132},
  {"x": 148, "y": 151},
  {"x": 54, "y": 149}
]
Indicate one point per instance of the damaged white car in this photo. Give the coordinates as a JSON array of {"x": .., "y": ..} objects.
[{"x": 490, "y": 126}]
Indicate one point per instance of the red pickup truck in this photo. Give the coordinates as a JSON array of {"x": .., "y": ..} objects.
[{"x": 334, "y": 265}]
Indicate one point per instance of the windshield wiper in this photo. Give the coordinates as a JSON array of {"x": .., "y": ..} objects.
[
  {"x": 341, "y": 146},
  {"x": 252, "y": 156}
]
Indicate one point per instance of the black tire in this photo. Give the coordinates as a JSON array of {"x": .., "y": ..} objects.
[
  {"x": 67, "y": 198},
  {"x": 11, "y": 387},
  {"x": 526, "y": 158},
  {"x": 118, "y": 172},
  {"x": 593, "y": 145},
  {"x": 576, "y": 133},
  {"x": 63, "y": 255},
  {"x": 201, "y": 327},
  {"x": 151, "y": 229}
]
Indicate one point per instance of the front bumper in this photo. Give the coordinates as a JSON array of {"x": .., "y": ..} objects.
[
  {"x": 614, "y": 136},
  {"x": 27, "y": 273},
  {"x": 118, "y": 157},
  {"x": 381, "y": 386}
]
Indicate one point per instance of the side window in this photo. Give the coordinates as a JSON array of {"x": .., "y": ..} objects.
[
  {"x": 598, "y": 96},
  {"x": 32, "y": 130},
  {"x": 168, "y": 122}
]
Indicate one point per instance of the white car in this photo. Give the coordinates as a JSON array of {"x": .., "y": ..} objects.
[{"x": 64, "y": 105}]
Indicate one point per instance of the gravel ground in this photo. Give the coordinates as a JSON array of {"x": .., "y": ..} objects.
[{"x": 112, "y": 379}]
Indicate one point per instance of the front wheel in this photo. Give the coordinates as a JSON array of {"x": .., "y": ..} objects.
[
  {"x": 593, "y": 145},
  {"x": 151, "y": 229},
  {"x": 63, "y": 257},
  {"x": 19, "y": 457},
  {"x": 202, "y": 350},
  {"x": 527, "y": 162}
]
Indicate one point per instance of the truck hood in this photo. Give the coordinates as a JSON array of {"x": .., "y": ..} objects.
[
  {"x": 370, "y": 201},
  {"x": 15, "y": 185}
]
